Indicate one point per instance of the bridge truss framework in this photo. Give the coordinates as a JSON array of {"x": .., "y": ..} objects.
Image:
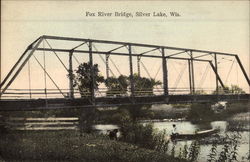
[{"x": 193, "y": 56}]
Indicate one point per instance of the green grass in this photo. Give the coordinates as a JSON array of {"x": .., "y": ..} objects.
[{"x": 70, "y": 146}]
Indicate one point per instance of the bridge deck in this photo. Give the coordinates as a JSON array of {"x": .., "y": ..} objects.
[{"x": 38, "y": 104}]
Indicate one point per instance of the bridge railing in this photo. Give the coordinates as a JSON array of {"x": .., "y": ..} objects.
[{"x": 102, "y": 92}]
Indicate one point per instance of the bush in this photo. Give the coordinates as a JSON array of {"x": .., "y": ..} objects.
[
  {"x": 200, "y": 112},
  {"x": 139, "y": 111},
  {"x": 237, "y": 107},
  {"x": 136, "y": 133},
  {"x": 121, "y": 116}
]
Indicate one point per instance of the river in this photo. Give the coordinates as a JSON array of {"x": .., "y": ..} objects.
[
  {"x": 188, "y": 127},
  {"x": 165, "y": 125}
]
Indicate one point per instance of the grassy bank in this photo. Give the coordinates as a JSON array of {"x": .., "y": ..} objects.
[{"x": 70, "y": 146}]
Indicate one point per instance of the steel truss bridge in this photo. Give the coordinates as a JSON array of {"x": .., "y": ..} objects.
[{"x": 69, "y": 98}]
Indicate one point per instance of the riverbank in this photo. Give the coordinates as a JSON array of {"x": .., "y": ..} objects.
[{"x": 70, "y": 146}]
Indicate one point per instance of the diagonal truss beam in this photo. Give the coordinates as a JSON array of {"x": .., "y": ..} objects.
[
  {"x": 176, "y": 54},
  {"x": 57, "y": 56},
  {"x": 31, "y": 49},
  {"x": 242, "y": 69},
  {"x": 149, "y": 51},
  {"x": 202, "y": 55},
  {"x": 22, "y": 65},
  {"x": 49, "y": 76},
  {"x": 78, "y": 46},
  {"x": 16, "y": 64},
  {"x": 116, "y": 48},
  {"x": 217, "y": 75}
]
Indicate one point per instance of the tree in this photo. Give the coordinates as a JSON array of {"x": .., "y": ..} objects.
[
  {"x": 144, "y": 86},
  {"x": 200, "y": 112},
  {"x": 117, "y": 85},
  {"x": 200, "y": 92},
  {"x": 83, "y": 78},
  {"x": 234, "y": 89}
]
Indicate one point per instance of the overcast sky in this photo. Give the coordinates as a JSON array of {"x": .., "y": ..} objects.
[{"x": 217, "y": 26}]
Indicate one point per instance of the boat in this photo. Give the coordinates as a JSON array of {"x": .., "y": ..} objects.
[{"x": 199, "y": 134}]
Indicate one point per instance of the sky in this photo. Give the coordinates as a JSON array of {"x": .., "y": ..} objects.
[{"x": 217, "y": 26}]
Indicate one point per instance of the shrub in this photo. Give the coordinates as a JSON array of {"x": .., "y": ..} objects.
[
  {"x": 237, "y": 107},
  {"x": 160, "y": 143},
  {"x": 194, "y": 151},
  {"x": 136, "y": 133},
  {"x": 200, "y": 112},
  {"x": 121, "y": 116}
]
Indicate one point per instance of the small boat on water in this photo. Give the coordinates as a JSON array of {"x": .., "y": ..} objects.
[{"x": 199, "y": 134}]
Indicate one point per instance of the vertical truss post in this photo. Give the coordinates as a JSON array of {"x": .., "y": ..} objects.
[
  {"x": 216, "y": 71},
  {"x": 138, "y": 66},
  {"x": 107, "y": 65},
  {"x": 165, "y": 72},
  {"x": 131, "y": 71},
  {"x": 71, "y": 88},
  {"x": 92, "y": 87},
  {"x": 192, "y": 73},
  {"x": 190, "y": 78},
  {"x": 242, "y": 69}
]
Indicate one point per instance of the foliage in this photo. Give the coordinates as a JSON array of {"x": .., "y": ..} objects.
[
  {"x": 230, "y": 148},
  {"x": 83, "y": 78},
  {"x": 145, "y": 136},
  {"x": 234, "y": 89},
  {"x": 222, "y": 90},
  {"x": 184, "y": 153},
  {"x": 120, "y": 116},
  {"x": 200, "y": 112},
  {"x": 117, "y": 85},
  {"x": 139, "y": 111},
  {"x": 86, "y": 120},
  {"x": 69, "y": 146},
  {"x": 144, "y": 86},
  {"x": 160, "y": 142},
  {"x": 194, "y": 151},
  {"x": 136, "y": 133},
  {"x": 237, "y": 107},
  {"x": 200, "y": 92},
  {"x": 213, "y": 153}
]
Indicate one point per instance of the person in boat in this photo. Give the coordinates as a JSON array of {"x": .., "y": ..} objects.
[{"x": 174, "y": 131}]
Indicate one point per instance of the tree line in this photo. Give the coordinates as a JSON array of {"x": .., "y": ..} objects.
[{"x": 82, "y": 79}]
